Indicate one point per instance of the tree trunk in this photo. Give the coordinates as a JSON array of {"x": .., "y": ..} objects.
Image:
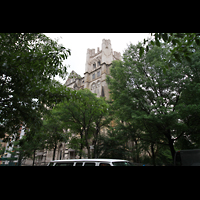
[
  {"x": 132, "y": 151},
  {"x": 171, "y": 146},
  {"x": 87, "y": 145},
  {"x": 95, "y": 143},
  {"x": 153, "y": 155},
  {"x": 81, "y": 148},
  {"x": 95, "y": 149},
  {"x": 88, "y": 148},
  {"x": 33, "y": 157},
  {"x": 54, "y": 151},
  {"x": 19, "y": 159},
  {"x": 95, "y": 140},
  {"x": 137, "y": 153}
]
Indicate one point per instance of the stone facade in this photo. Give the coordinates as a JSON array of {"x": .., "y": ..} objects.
[{"x": 96, "y": 68}]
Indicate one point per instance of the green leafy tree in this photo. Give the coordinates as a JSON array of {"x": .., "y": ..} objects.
[
  {"x": 53, "y": 131},
  {"x": 2, "y": 150},
  {"x": 189, "y": 107},
  {"x": 113, "y": 145},
  {"x": 27, "y": 146},
  {"x": 144, "y": 94},
  {"x": 28, "y": 62},
  {"x": 182, "y": 44},
  {"x": 84, "y": 114}
]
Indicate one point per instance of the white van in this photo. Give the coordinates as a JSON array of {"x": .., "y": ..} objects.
[{"x": 90, "y": 162}]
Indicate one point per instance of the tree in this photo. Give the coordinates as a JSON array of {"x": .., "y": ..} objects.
[
  {"x": 189, "y": 103},
  {"x": 112, "y": 145},
  {"x": 83, "y": 115},
  {"x": 182, "y": 44},
  {"x": 142, "y": 93},
  {"x": 28, "y": 62},
  {"x": 26, "y": 146},
  {"x": 53, "y": 131},
  {"x": 101, "y": 119}
]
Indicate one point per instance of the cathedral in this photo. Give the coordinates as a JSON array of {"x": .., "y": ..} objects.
[{"x": 97, "y": 66}]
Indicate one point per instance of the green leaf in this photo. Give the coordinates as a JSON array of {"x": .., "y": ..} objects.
[
  {"x": 188, "y": 58},
  {"x": 174, "y": 41},
  {"x": 197, "y": 41},
  {"x": 189, "y": 42},
  {"x": 152, "y": 42},
  {"x": 157, "y": 43},
  {"x": 165, "y": 37},
  {"x": 177, "y": 56},
  {"x": 179, "y": 35},
  {"x": 147, "y": 48},
  {"x": 141, "y": 51},
  {"x": 169, "y": 39}
]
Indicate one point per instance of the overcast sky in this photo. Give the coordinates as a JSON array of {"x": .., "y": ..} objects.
[{"x": 80, "y": 42}]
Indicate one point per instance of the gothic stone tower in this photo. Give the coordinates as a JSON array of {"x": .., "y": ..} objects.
[{"x": 96, "y": 68}]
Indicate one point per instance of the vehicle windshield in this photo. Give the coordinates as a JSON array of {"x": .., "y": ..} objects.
[{"x": 122, "y": 163}]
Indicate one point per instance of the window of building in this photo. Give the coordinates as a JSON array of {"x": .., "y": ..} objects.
[
  {"x": 94, "y": 65},
  {"x": 93, "y": 88},
  {"x": 98, "y": 88},
  {"x": 98, "y": 84},
  {"x": 93, "y": 76},
  {"x": 98, "y": 73},
  {"x": 98, "y": 64}
]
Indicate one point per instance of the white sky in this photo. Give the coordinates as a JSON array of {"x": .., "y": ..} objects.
[{"x": 80, "y": 42}]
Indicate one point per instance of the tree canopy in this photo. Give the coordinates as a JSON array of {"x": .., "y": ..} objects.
[
  {"x": 28, "y": 63},
  {"x": 182, "y": 44},
  {"x": 154, "y": 101},
  {"x": 83, "y": 115}
]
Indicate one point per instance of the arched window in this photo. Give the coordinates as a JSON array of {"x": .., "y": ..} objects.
[
  {"x": 98, "y": 87},
  {"x": 93, "y": 88},
  {"x": 94, "y": 65}
]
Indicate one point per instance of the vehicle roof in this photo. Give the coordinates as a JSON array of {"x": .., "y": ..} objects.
[{"x": 90, "y": 160}]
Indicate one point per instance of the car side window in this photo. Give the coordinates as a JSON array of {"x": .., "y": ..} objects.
[
  {"x": 89, "y": 164},
  {"x": 64, "y": 164},
  {"x": 104, "y": 165},
  {"x": 79, "y": 164}
]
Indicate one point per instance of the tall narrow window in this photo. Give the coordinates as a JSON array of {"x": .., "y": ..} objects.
[
  {"x": 98, "y": 73},
  {"x": 98, "y": 64},
  {"x": 94, "y": 65},
  {"x": 93, "y": 76},
  {"x": 98, "y": 86}
]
